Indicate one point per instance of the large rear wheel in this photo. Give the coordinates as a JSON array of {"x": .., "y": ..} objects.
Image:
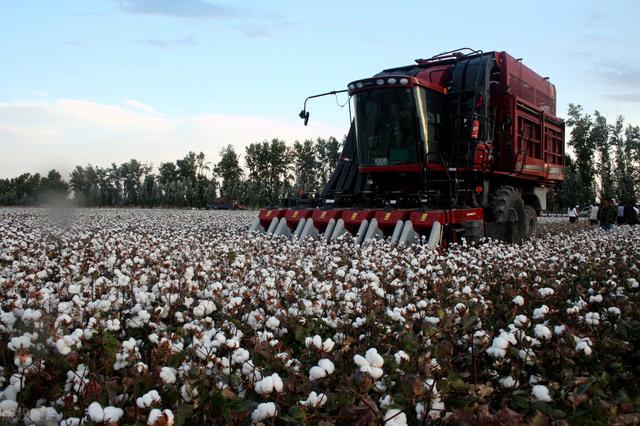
[{"x": 509, "y": 210}]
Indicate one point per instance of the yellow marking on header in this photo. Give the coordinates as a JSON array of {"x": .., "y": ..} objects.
[
  {"x": 354, "y": 216},
  {"x": 387, "y": 216},
  {"x": 424, "y": 217},
  {"x": 322, "y": 215},
  {"x": 295, "y": 214}
]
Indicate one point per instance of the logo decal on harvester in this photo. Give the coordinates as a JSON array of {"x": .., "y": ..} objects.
[
  {"x": 268, "y": 213},
  {"x": 387, "y": 216},
  {"x": 322, "y": 215},
  {"x": 424, "y": 217},
  {"x": 354, "y": 216},
  {"x": 295, "y": 214}
]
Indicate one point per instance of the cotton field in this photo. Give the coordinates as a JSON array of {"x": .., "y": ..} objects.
[{"x": 166, "y": 317}]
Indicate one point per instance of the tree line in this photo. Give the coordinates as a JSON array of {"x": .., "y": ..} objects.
[
  {"x": 272, "y": 171},
  {"x": 606, "y": 163}
]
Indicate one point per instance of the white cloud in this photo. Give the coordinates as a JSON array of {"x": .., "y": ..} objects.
[
  {"x": 141, "y": 106},
  {"x": 38, "y": 136}
]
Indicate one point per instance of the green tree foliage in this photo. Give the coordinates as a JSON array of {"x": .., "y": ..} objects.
[
  {"x": 328, "y": 151},
  {"x": 606, "y": 155},
  {"x": 568, "y": 192},
  {"x": 305, "y": 167},
  {"x": 229, "y": 170},
  {"x": 269, "y": 171},
  {"x": 599, "y": 138},
  {"x": 584, "y": 147},
  {"x": 623, "y": 163},
  {"x": 632, "y": 154},
  {"x": 28, "y": 189}
]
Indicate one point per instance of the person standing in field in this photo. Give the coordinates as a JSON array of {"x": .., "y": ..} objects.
[
  {"x": 620, "y": 217},
  {"x": 573, "y": 214},
  {"x": 630, "y": 214},
  {"x": 607, "y": 214},
  {"x": 593, "y": 214}
]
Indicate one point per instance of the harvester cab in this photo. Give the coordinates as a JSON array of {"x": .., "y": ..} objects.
[{"x": 464, "y": 144}]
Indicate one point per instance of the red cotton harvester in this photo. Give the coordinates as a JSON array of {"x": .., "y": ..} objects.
[{"x": 462, "y": 144}]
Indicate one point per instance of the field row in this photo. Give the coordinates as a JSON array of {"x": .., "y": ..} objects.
[{"x": 159, "y": 317}]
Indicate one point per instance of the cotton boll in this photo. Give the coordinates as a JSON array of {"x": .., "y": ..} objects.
[
  {"x": 327, "y": 345},
  {"x": 317, "y": 373},
  {"x": 264, "y": 386},
  {"x": 263, "y": 411},
  {"x": 533, "y": 379},
  {"x": 540, "y": 312},
  {"x": 168, "y": 375},
  {"x": 374, "y": 358},
  {"x": 371, "y": 363},
  {"x": 559, "y": 329},
  {"x": 95, "y": 412},
  {"x": 374, "y": 372},
  {"x": 249, "y": 370},
  {"x": 273, "y": 323},
  {"x": 508, "y": 382},
  {"x": 584, "y": 345},
  {"x": 500, "y": 344},
  {"x": 544, "y": 292},
  {"x": 542, "y": 332},
  {"x": 386, "y": 401},
  {"x": 314, "y": 400},
  {"x": 400, "y": 356},
  {"x": 614, "y": 311},
  {"x": 278, "y": 386},
  {"x": 187, "y": 392},
  {"x": 520, "y": 321},
  {"x": 360, "y": 360},
  {"x": 8, "y": 410},
  {"x": 592, "y": 318},
  {"x": 395, "y": 417},
  {"x": 595, "y": 299},
  {"x": 148, "y": 399},
  {"x": 164, "y": 418},
  {"x": 240, "y": 355},
  {"x": 43, "y": 415},
  {"x": 112, "y": 414},
  {"x": 541, "y": 393},
  {"x": 518, "y": 300},
  {"x": 326, "y": 365}
]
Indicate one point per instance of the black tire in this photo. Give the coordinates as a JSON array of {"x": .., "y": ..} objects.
[
  {"x": 508, "y": 208},
  {"x": 532, "y": 221}
]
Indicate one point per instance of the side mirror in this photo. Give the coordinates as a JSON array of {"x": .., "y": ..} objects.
[{"x": 305, "y": 116}]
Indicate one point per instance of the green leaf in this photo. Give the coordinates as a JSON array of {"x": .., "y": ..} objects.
[
  {"x": 520, "y": 401},
  {"x": 543, "y": 407},
  {"x": 182, "y": 414},
  {"x": 297, "y": 412},
  {"x": 470, "y": 321}
]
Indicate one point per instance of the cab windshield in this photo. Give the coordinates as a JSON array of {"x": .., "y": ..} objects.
[{"x": 388, "y": 126}]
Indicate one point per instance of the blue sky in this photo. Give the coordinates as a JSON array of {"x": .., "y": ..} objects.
[{"x": 97, "y": 81}]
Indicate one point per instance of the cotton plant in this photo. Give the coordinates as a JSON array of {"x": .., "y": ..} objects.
[
  {"x": 188, "y": 304},
  {"x": 316, "y": 343},
  {"x": 371, "y": 363},
  {"x": 314, "y": 400},
  {"x": 99, "y": 414},
  {"x": 269, "y": 384},
  {"x": 324, "y": 368}
]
